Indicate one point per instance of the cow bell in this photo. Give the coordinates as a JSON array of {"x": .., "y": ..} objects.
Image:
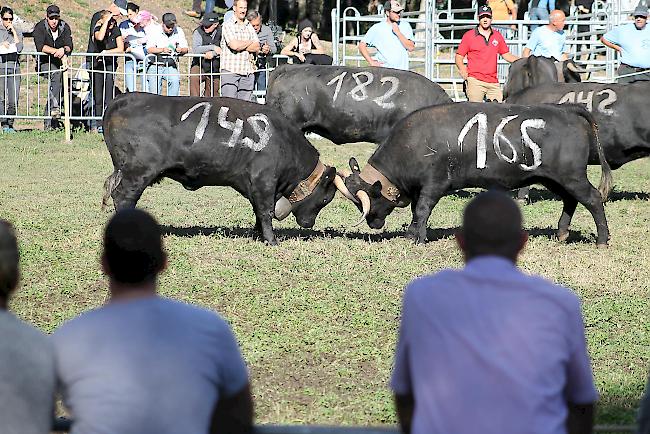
[{"x": 282, "y": 208}]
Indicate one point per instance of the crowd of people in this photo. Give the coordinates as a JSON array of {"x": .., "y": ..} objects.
[{"x": 484, "y": 346}]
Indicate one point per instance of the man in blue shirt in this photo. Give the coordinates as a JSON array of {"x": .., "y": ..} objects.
[
  {"x": 549, "y": 40},
  {"x": 392, "y": 38},
  {"x": 539, "y": 10},
  {"x": 632, "y": 42}
]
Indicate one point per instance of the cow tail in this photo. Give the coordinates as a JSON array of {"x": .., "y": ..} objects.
[
  {"x": 110, "y": 185},
  {"x": 606, "y": 179}
]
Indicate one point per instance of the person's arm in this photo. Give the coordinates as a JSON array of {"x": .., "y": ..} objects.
[
  {"x": 460, "y": 64},
  {"x": 120, "y": 46},
  {"x": 292, "y": 50},
  {"x": 404, "y": 406},
  {"x": 363, "y": 49},
  {"x": 233, "y": 414},
  {"x": 18, "y": 37},
  {"x": 509, "y": 57},
  {"x": 580, "y": 419},
  {"x": 236, "y": 45},
  {"x": 271, "y": 42},
  {"x": 526, "y": 52},
  {"x": 318, "y": 47},
  {"x": 611, "y": 45},
  {"x": 254, "y": 46},
  {"x": 182, "y": 47},
  {"x": 406, "y": 42},
  {"x": 504, "y": 51},
  {"x": 100, "y": 29},
  {"x": 197, "y": 44},
  {"x": 68, "y": 44}
]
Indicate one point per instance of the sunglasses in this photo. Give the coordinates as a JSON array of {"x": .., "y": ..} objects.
[
  {"x": 7, "y": 19},
  {"x": 397, "y": 13},
  {"x": 640, "y": 16}
]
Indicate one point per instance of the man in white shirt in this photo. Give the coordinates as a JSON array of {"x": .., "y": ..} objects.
[
  {"x": 167, "y": 45},
  {"x": 135, "y": 41},
  {"x": 393, "y": 39}
]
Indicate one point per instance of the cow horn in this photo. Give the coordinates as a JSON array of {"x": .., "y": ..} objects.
[
  {"x": 340, "y": 185},
  {"x": 574, "y": 68},
  {"x": 365, "y": 206},
  {"x": 282, "y": 208}
]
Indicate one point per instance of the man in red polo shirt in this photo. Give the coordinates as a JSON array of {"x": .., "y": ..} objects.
[{"x": 481, "y": 46}]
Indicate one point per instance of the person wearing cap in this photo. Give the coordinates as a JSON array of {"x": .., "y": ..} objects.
[
  {"x": 488, "y": 348},
  {"x": 206, "y": 40},
  {"x": 105, "y": 38},
  {"x": 307, "y": 48},
  {"x": 267, "y": 48},
  {"x": 167, "y": 44},
  {"x": 53, "y": 37},
  {"x": 135, "y": 44},
  {"x": 143, "y": 363},
  {"x": 392, "y": 38},
  {"x": 549, "y": 40},
  {"x": 27, "y": 357},
  {"x": 482, "y": 45},
  {"x": 632, "y": 42},
  {"x": 239, "y": 45}
]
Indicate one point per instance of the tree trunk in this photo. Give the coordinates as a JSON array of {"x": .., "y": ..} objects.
[{"x": 302, "y": 10}]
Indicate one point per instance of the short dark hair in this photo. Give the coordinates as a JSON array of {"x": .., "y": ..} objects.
[
  {"x": 6, "y": 9},
  {"x": 492, "y": 225},
  {"x": 9, "y": 259},
  {"x": 130, "y": 6},
  {"x": 133, "y": 248}
]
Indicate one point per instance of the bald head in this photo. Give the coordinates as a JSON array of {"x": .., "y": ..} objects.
[
  {"x": 557, "y": 19},
  {"x": 492, "y": 225}
]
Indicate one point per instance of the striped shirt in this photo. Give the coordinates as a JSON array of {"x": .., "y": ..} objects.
[{"x": 241, "y": 62}]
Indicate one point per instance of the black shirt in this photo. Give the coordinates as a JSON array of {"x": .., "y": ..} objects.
[
  {"x": 43, "y": 36},
  {"x": 109, "y": 42}
]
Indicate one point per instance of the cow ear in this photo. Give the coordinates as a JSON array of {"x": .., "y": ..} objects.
[
  {"x": 328, "y": 176},
  {"x": 375, "y": 190},
  {"x": 354, "y": 166}
]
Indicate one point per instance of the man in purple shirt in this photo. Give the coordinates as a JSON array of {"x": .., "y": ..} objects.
[{"x": 488, "y": 348}]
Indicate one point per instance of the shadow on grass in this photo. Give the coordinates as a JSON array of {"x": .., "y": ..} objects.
[
  {"x": 540, "y": 194},
  {"x": 433, "y": 234}
]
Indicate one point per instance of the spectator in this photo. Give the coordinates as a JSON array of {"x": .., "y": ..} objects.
[
  {"x": 105, "y": 38},
  {"x": 230, "y": 13},
  {"x": 267, "y": 48},
  {"x": 481, "y": 45},
  {"x": 26, "y": 356},
  {"x": 135, "y": 44},
  {"x": 307, "y": 48},
  {"x": 147, "y": 364},
  {"x": 11, "y": 43},
  {"x": 539, "y": 10},
  {"x": 504, "y": 10},
  {"x": 239, "y": 44},
  {"x": 53, "y": 37},
  {"x": 549, "y": 40},
  {"x": 206, "y": 40},
  {"x": 393, "y": 39},
  {"x": 583, "y": 7},
  {"x": 644, "y": 412},
  {"x": 632, "y": 42},
  {"x": 195, "y": 12},
  {"x": 167, "y": 45},
  {"x": 490, "y": 346}
]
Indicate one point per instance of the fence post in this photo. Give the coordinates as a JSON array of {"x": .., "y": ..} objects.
[{"x": 67, "y": 99}]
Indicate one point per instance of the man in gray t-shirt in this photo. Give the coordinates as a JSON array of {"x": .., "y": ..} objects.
[
  {"x": 27, "y": 379},
  {"x": 143, "y": 363}
]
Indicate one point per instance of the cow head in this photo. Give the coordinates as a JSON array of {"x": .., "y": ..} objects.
[
  {"x": 368, "y": 198},
  {"x": 307, "y": 208},
  {"x": 536, "y": 70}
]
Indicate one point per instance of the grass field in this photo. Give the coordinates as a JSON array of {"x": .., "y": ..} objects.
[{"x": 316, "y": 316}]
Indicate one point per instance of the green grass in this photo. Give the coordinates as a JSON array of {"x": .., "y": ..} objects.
[{"x": 316, "y": 316}]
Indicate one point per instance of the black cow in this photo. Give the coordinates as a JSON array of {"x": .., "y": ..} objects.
[
  {"x": 619, "y": 109},
  {"x": 536, "y": 70},
  {"x": 450, "y": 147},
  {"x": 350, "y": 104},
  {"x": 215, "y": 141}
]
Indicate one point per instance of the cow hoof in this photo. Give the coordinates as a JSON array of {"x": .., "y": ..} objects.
[
  {"x": 602, "y": 245},
  {"x": 562, "y": 236}
]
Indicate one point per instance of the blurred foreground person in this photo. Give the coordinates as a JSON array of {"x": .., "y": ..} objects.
[
  {"x": 146, "y": 364},
  {"x": 27, "y": 377},
  {"x": 489, "y": 348}
]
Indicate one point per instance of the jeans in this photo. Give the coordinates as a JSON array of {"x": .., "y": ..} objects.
[
  {"x": 209, "y": 6},
  {"x": 155, "y": 75},
  {"x": 537, "y": 14},
  {"x": 9, "y": 91},
  {"x": 260, "y": 80},
  {"x": 131, "y": 70}
]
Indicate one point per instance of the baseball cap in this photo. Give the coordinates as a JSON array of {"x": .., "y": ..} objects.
[
  {"x": 641, "y": 11},
  {"x": 210, "y": 18},
  {"x": 484, "y": 10},
  {"x": 53, "y": 11},
  {"x": 394, "y": 6},
  {"x": 169, "y": 19},
  {"x": 121, "y": 5}
]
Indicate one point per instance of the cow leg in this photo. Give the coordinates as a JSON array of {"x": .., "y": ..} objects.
[
  {"x": 263, "y": 206},
  {"x": 588, "y": 196},
  {"x": 423, "y": 208},
  {"x": 412, "y": 231},
  {"x": 568, "y": 208},
  {"x": 130, "y": 188}
]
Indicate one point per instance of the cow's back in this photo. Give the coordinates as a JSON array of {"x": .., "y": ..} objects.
[{"x": 350, "y": 104}]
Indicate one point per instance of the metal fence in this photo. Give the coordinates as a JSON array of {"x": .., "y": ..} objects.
[
  {"x": 94, "y": 79},
  {"x": 438, "y": 32}
]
